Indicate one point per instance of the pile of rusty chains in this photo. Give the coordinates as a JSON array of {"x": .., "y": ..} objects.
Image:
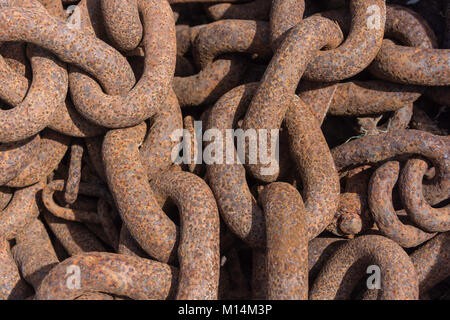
[{"x": 348, "y": 84}]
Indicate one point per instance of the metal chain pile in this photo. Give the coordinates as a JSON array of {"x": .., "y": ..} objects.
[{"x": 114, "y": 182}]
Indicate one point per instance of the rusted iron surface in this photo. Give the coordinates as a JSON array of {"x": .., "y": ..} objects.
[{"x": 221, "y": 149}]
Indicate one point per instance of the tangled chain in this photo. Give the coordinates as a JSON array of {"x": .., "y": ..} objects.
[{"x": 93, "y": 205}]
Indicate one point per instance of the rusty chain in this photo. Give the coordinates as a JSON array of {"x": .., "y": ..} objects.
[{"x": 207, "y": 149}]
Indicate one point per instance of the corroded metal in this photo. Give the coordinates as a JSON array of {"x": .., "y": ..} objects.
[{"x": 131, "y": 94}]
